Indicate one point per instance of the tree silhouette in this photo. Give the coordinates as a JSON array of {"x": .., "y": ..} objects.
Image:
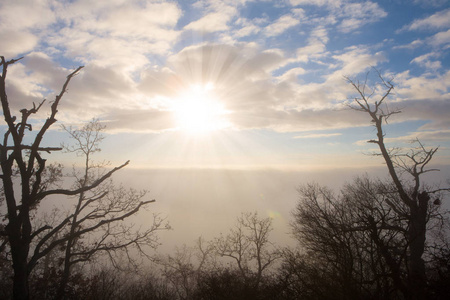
[
  {"x": 413, "y": 163},
  {"x": 353, "y": 240},
  {"x": 28, "y": 180},
  {"x": 248, "y": 245},
  {"x": 185, "y": 266},
  {"x": 96, "y": 224}
]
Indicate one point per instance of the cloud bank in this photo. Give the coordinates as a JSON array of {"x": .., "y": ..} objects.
[{"x": 279, "y": 66}]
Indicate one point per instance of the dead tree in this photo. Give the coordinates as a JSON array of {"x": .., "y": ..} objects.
[
  {"x": 414, "y": 163},
  {"x": 25, "y": 185}
]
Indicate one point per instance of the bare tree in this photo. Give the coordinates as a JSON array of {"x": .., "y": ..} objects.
[
  {"x": 183, "y": 269},
  {"x": 97, "y": 219},
  {"x": 249, "y": 246},
  {"x": 353, "y": 239},
  {"x": 412, "y": 163},
  {"x": 28, "y": 180},
  {"x": 194, "y": 271}
]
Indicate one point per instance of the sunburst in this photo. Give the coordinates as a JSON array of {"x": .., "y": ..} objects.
[{"x": 198, "y": 111}]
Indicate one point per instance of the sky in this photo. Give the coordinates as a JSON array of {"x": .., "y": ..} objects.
[{"x": 243, "y": 96}]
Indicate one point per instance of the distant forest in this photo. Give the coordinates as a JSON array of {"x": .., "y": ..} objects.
[{"x": 372, "y": 239}]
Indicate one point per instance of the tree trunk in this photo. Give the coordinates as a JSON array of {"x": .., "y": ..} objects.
[
  {"x": 19, "y": 239},
  {"x": 390, "y": 261},
  {"x": 417, "y": 237},
  {"x": 417, "y": 202},
  {"x": 66, "y": 272},
  {"x": 20, "y": 283}
]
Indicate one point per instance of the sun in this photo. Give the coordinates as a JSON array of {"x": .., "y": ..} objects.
[{"x": 198, "y": 111}]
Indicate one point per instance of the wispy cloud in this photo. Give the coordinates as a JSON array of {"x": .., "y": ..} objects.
[
  {"x": 413, "y": 45},
  {"x": 428, "y": 61},
  {"x": 315, "y": 2},
  {"x": 316, "y": 45},
  {"x": 440, "y": 39},
  {"x": 439, "y": 20},
  {"x": 317, "y": 135},
  {"x": 284, "y": 22},
  {"x": 211, "y": 22},
  {"x": 355, "y": 15},
  {"x": 347, "y": 15},
  {"x": 433, "y": 137}
]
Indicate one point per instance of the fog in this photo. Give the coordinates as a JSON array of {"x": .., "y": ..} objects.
[{"x": 206, "y": 202}]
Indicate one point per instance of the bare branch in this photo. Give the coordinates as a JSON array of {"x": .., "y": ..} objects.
[
  {"x": 50, "y": 120},
  {"x": 44, "y": 194},
  {"x": 27, "y": 147}
]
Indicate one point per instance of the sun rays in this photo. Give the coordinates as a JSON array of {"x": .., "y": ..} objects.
[{"x": 198, "y": 111}]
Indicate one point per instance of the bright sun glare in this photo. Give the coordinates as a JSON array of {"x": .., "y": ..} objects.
[{"x": 197, "y": 111}]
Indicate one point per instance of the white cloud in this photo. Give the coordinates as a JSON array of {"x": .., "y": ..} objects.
[
  {"x": 291, "y": 74},
  {"x": 347, "y": 15},
  {"x": 315, "y": 2},
  {"x": 138, "y": 120},
  {"x": 440, "y": 39},
  {"x": 242, "y": 81},
  {"x": 433, "y": 137},
  {"x": 14, "y": 43},
  {"x": 211, "y": 22},
  {"x": 427, "y": 61},
  {"x": 317, "y": 135},
  {"x": 240, "y": 75},
  {"x": 133, "y": 68},
  {"x": 126, "y": 55},
  {"x": 313, "y": 49},
  {"x": 160, "y": 82},
  {"x": 355, "y": 15},
  {"x": 267, "y": 61},
  {"x": 116, "y": 33},
  {"x": 153, "y": 22},
  {"x": 427, "y": 86},
  {"x": 216, "y": 15},
  {"x": 434, "y": 111},
  {"x": 439, "y": 20},
  {"x": 274, "y": 113},
  {"x": 95, "y": 91},
  {"x": 22, "y": 88},
  {"x": 284, "y": 23},
  {"x": 18, "y": 21},
  {"x": 246, "y": 28},
  {"x": 316, "y": 45},
  {"x": 413, "y": 45},
  {"x": 25, "y": 15},
  {"x": 354, "y": 60}
]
